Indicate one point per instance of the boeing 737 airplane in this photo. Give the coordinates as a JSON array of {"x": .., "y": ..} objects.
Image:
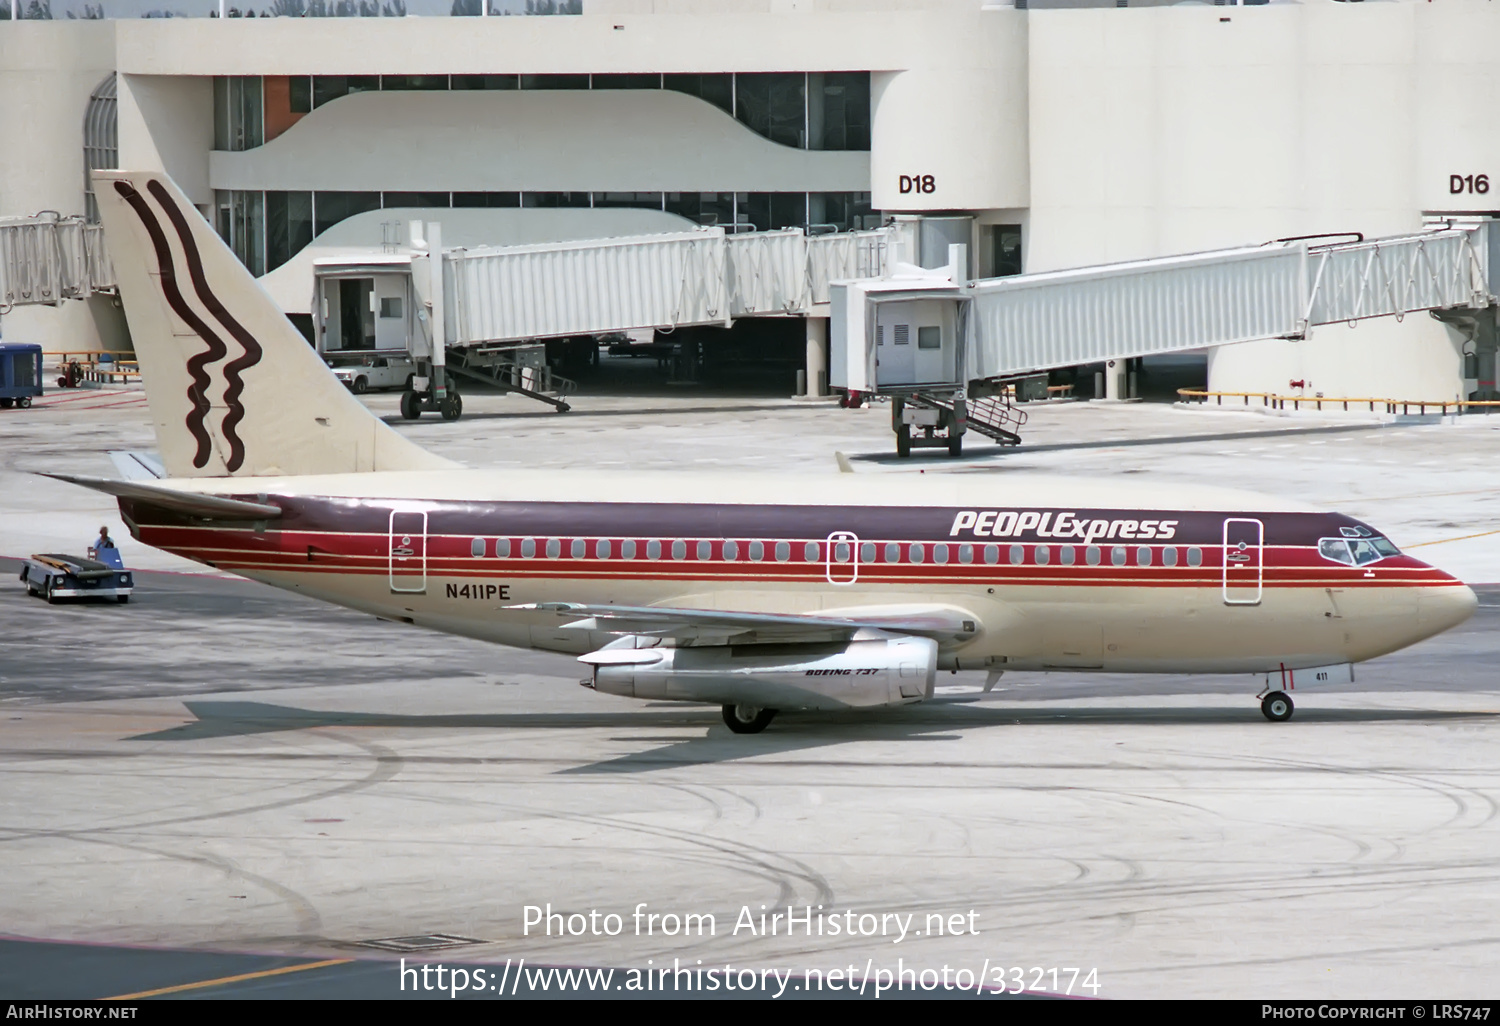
[{"x": 756, "y": 593}]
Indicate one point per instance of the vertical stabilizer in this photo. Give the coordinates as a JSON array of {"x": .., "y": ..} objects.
[{"x": 234, "y": 388}]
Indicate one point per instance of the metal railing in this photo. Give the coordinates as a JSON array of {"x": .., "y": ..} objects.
[
  {"x": 47, "y": 258},
  {"x": 1273, "y": 401}
]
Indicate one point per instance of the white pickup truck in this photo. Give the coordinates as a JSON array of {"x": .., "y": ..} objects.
[{"x": 376, "y": 372}]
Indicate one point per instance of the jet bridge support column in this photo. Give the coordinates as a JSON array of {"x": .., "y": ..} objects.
[{"x": 817, "y": 356}]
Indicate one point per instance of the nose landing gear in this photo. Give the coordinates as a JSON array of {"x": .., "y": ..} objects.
[
  {"x": 1277, "y": 706},
  {"x": 747, "y": 719}
]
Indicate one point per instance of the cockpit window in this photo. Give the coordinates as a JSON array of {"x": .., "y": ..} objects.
[{"x": 1356, "y": 551}]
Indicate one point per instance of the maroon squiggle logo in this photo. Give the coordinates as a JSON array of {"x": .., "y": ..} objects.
[
  {"x": 198, "y": 403},
  {"x": 234, "y": 384}
]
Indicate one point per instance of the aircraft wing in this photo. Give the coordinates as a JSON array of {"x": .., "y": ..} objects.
[
  {"x": 193, "y": 504},
  {"x": 942, "y": 623}
]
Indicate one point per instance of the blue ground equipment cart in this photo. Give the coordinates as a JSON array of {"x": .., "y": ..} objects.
[
  {"x": 20, "y": 374},
  {"x": 55, "y": 576}
]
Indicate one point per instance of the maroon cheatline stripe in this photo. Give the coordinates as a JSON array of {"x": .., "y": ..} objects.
[
  {"x": 234, "y": 385},
  {"x": 198, "y": 403}
]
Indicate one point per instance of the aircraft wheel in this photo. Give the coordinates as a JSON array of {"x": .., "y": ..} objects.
[
  {"x": 903, "y": 441},
  {"x": 453, "y": 406},
  {"x": 747, "y": 719},
  {"x": 1277, "y": 706},
  {"x": 411, "y": 405}
]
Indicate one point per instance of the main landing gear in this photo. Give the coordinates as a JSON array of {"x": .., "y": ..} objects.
[
  {"x": 1277, "y": 706},
  {"x": 747, "y": 719}
]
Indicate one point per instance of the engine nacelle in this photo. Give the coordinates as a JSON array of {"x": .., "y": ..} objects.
[{"x": 865, "y": 673}]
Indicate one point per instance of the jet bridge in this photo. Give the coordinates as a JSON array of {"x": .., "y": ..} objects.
[
  {"x": 46, "y": 259},
  {"x": 1007, "y": 328}
]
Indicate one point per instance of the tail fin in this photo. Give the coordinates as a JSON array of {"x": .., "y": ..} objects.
[{"x": 234, "y": 388}]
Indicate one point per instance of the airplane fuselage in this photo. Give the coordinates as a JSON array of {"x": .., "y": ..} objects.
[{"x": 1044, "y": 574}]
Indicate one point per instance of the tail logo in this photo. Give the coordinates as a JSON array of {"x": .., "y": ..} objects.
[{"x": 216, "y": 349}]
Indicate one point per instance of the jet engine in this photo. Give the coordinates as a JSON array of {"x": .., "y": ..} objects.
[{"x": 863, "y": 673}]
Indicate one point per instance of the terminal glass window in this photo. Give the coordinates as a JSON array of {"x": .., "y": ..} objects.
[
  {"x": 840, "y": 211},
  {"x": 554, "y": 81},
  {"x": 289, "y": 226},
  {"x": 838, "y": 110},
  {"x": 1005, "y": 250},
  {"x": 644, "y": 200},
  {"x": 486, "y": 199},
  {"x": 484, "y": 81},
  {"x": 238, "y": 112},
  {"x": 414, "y": 199},
  {"x": 430, "y": 82},
  {"x": 767, "y": 211},
  {"x": 708, "y": 208},
  {"x": 773, "y": 104},
  {"x": 331, "y": 87},
  {"x": 625, "y": 81},
  {"x": 555, "y": 199},
  {"x": 329, "y": 208},
  {"x": 716, "y": 89}
]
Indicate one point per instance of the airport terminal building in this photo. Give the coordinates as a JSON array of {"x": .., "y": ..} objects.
[{"x": 1064, "y": 137}]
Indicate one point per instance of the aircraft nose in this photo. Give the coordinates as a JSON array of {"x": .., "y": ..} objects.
[{"x": 1445, "y": 606}]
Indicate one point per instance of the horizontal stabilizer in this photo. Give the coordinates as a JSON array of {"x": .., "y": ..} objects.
[
  {"x": 191, "y": 503},
  {"x": 137, "y": 466}
]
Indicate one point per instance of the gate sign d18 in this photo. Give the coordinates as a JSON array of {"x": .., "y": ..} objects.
[{"x": 917, "y": 183}]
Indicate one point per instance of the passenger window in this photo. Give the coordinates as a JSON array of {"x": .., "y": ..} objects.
[
  {"x": 1065, "y": 555},
  {"x": 502, "y": 548},
  {"x": 757, "y": 551},
  {"x": 579, "y": 548},
  {"x": 1043, "y": 555},
  {"x": 966, "y": 553},
  {"x": 867, "y": 552},
  {"x": 705, "y": 550},
  {"x": 601, "y": 548},
  {"x": 679, "y": 549},
  {"x": 917, "y": 554},
  {"x": 554, "y": 548},
  {"x": 1117, "y": 555},
  {"x": 1143, "y": 556},
  {"x": 810, "y": 552},
  {"x": 627, "y": 549},
  {"x": 653, "y": 549},
  {"x": 731, "y": 550},
  {"x": 1017, "y": 555},
  {"x": 1195, "y": 556},
  {"x": 783, "y": 552},
  {"x": 992, "y": 554},
  {"x": 940, "y": 553},
  {"x": 1169, "y": 556},
  {"x": 892, "y": 553},
  {"x": 528, "y": 548},
  {"x": 476, "y": 548},
  {"x": 1092, "y": 555}
]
